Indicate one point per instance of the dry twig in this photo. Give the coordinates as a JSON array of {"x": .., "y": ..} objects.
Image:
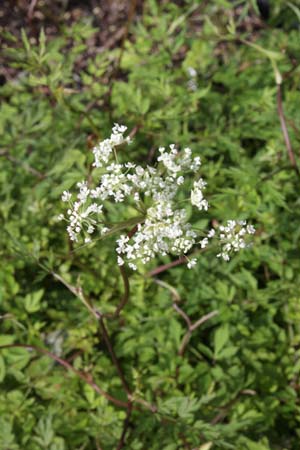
[
  {"x": 190, "y": 326},
  {"x": 86, "y": 378},
  {"x": 26, "y": 166},
  {"x": 285, "y": 130}
]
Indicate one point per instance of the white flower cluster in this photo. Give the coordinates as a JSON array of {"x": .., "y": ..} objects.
[
  {"x": 197, "y": 198},
  {"x": 164, "y": 231},
  {"x": 81, "y": 217},
  {"x": 232, "y": 237},
  {"x": 161, "y": 228},
  {"x": 104, "y": 149}
]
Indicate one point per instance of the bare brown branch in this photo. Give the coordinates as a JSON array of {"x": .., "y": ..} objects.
[
  {"x": 284, "y": 129},
  {"x": 77, "y": 291},
  {"x": 26, "y": 166},
  {"x": 164, "y": 267},
  {"x": 204, "y": 319},
  {"x": 185, "y": 340},
  {"x": 125, "y": 297},
  {"x": 190, "y": 326},
  {"x": 193, "y": 327},
  {"x": 122, "y": 441},
  {"x": 183, "y": 314},
  {"x": 174, "y": 292},
  {"x": 86, "y": 378},
  {"x": 31, "y": 9},
  {"x": 226, "y": 409},
  {"x": 113, "y": 356}
]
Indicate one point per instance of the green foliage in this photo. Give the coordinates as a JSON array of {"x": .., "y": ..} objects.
[{"x": 236, "y": 385}]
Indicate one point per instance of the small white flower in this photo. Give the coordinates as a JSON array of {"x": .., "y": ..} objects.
[
  {"x": 192, "y": 84},
  {"x": 119, "y": 129},
  {"x": 250, "y": 229},
  {"x": 120, "y": 261},
  {"x": 211, "y": 233},
  {"x": 66, "y": 196},
  {"x": 191, "y": 263},
  {"x": 197, "y": 198},
  {"x": 192, "y": 72},
  {"x": 139, "y": 170},
  {"x": 204, "y": 243}
]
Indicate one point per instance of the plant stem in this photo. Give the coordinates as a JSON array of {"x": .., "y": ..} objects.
[
  {"x": 113, "y": 356},
  {"x": 87, "y": 378}
]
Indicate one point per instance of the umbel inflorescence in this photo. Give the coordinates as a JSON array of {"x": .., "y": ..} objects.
[{"x": 159, "y": 226}]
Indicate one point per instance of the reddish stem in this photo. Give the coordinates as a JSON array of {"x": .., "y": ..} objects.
[
  {"x": 285, "y": 130},
  {"x": 86, "y": 378},
  {"x": 164, "y": 267}
]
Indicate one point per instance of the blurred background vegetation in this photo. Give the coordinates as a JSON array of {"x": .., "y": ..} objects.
[{"x": 204, "y": 74}]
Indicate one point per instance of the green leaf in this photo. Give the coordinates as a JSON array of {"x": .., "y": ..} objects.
[
  {"x": 71, "y": 157},
  {"x": 17, "y": 358},
  {"x": 221, "y": 338},
  {"x": 227, "y": 352},
  {"x": 25, "y": 40},
  {"x": 33, "y": 301},
  {"x": 6, "y": 339},
  {"x": 89, "y": 392},
  {"x": 272, "y": 55},
  {"x": 2, "y": 369},
  {"x": 42, "y": 42}
]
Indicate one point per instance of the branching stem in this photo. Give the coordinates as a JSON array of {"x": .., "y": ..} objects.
[{"x": 86, "y": 378}]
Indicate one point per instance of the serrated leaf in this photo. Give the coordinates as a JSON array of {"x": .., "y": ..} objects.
[
  {"x": 33, "y": 301},
  {"x": 70, "y": 158},
  {"x": 25, "y": 40},
  {"x": 89, "y": 393},
  {"x": 227, "y": 352},
  {"x": 16, "y": 357},
  {"x": 221, "y": 338}
]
